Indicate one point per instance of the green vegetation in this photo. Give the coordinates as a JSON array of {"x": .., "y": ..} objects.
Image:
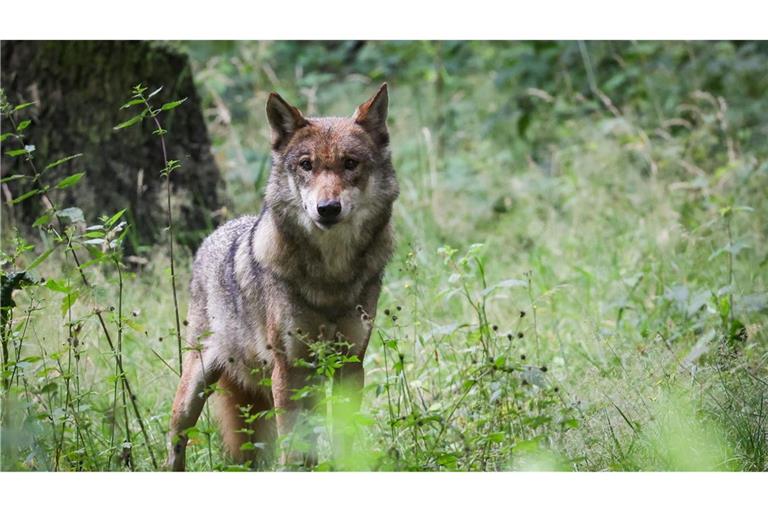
[{"x": 580, "y": 282}]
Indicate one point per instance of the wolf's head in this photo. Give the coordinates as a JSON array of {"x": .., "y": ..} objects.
[{"x": 329, "y": 172}]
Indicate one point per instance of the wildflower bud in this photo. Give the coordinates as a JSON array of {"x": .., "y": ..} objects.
[
  {"x": 495, "y": 327},
  {"x": 522, "y": 357},
  {"x": 543, "y": 369},
  {"x": 522, "y": 314},
  {"x": 520, "y": 334},
  {"x": 394, "y": 318},
  {"x": 386, "y": 312}
]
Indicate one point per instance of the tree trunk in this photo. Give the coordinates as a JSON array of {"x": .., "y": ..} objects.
[{"x": 78, "y": 88}]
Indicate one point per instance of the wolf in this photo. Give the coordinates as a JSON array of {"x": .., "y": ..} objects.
[{"x": 308, "y": 267}]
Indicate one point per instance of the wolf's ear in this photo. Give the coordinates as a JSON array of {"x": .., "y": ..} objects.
[
  {"x": 372, "y": 115},
  {"x": 284, "y": 119}
]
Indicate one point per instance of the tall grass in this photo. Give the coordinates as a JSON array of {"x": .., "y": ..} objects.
[{"x": 584, "y": 290}]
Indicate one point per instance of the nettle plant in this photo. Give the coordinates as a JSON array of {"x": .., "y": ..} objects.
[
  {"x": 139, "y": 100},
  {"x": 44, "y": 391},
  {"x": 47, "y": 385}
]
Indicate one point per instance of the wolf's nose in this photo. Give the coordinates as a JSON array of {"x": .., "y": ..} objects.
[{"x": 329, "y": 209}]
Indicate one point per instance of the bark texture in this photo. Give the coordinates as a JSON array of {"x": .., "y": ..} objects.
[{"x": 78, "y": 88}]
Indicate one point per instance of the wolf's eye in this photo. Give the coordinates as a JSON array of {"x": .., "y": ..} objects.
[
  {"x": 306, "y": 164},
  {"x": 350, "y": 164}
]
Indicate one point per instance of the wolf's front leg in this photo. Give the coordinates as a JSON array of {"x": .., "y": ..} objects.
[
  {"x": 285, "y": 379},
  {"x": 200, "y": 370},
  {"x": 349, "y": 380}
]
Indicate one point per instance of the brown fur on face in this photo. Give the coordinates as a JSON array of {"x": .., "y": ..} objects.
[{"x": 329, "y": 145}]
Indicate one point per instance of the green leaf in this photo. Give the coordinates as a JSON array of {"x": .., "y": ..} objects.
[
  {"x": 155, "y": 92},
  {"x": 68, "y": 301},
  {"x": 172, "y": 104},
  {"x": 42, "y": 220},
  {"x": 26, "y": 195},
  {"x": 5, "y": 136},
  {"x": 132, "y": 121},
  {"x": 111, "y": 221},
  {"x": 93, "y": 261},
  {"x": 131, "y": 103},
  {"x": 17, "y": 152},
  {"x": 570, "y": 423},
  {"x": 61, "y": 161},
  {"x": 23, "y": 106},
  {"x": 447, "y": 460},
  {"x": 23, "y": 125},
  {"x": 13, "y": 177},
  {"x": 70, "y": 180},
  {"x": 37, "y": 261},
  {"x": 496, "y": 437},
  {"x": 57, "y": 286}
]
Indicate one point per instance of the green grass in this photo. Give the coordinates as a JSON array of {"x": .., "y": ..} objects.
[{"x": 590, "y": 296}]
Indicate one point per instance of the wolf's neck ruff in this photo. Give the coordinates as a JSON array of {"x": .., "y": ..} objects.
[{"x": 328, "y": 269}]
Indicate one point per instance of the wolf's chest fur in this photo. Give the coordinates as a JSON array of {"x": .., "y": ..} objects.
[
  {"x": 327, "y": 271},
  {"x": 315, "y": 285}
]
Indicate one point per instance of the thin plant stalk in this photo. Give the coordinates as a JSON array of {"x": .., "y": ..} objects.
[
  {"x": 99, "y": 315},
  {"x": 167, "y": 169}
]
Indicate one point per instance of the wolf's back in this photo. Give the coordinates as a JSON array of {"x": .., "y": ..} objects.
[{"x": 213, "y": 267}]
